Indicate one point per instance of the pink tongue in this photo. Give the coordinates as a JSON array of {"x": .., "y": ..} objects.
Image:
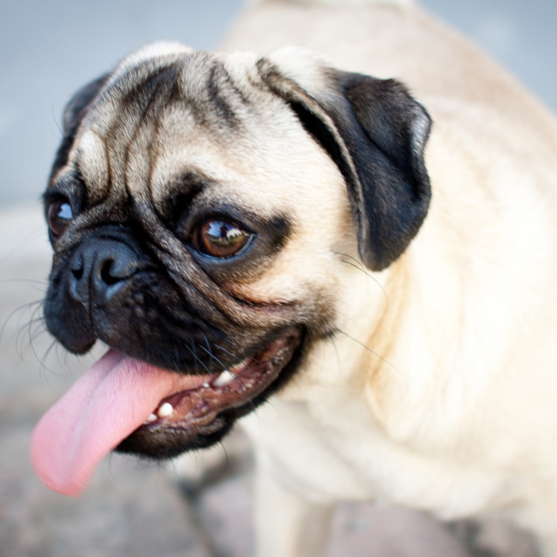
[{"x": 105, "y": 405}]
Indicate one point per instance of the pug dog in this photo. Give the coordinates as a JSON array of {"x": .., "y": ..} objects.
[{"x": 289, "y": 226}]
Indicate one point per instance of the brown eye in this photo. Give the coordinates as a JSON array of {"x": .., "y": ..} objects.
[
  {"x": 220, "y": 238},
  {"x": 59, "y": 216}
]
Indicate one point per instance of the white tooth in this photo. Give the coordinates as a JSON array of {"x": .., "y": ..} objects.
[
  {"x": 242, "y": 364},
  {"x": 165, "y": 410},
  {"x": 151, "y": 418},
  {"x": 224, "y": 378},
  {"x": 206, "y": 385}
]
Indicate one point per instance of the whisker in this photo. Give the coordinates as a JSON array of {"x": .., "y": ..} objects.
[
  {"x": 224, "y": 368},
  {"x": 62, "y": 135},
  {"x": 37, "y": 331},
  {"x": 33, "y": 320},
  {"x": 224, "y": 349},
  {"x": 192, "y": 352},
  {"x": 377, "y": 355},
  {"x": 206, "y": 341},
  {"x": 338, "y": 355},
  {"x": 44, "y": 282},
  {"x": 28, "y": 239},
  {"x": 32, "y": 335},
  {"x": 45, "y": 370},
  {"x": 21, "y": 309},
  {"x": 357, "y": 265},
  {"x": 48, "y": 350},
  {"x": 227, "y": 460}
]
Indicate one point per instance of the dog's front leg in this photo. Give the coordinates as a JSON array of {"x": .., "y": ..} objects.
[{"x": 287, "y": 524}]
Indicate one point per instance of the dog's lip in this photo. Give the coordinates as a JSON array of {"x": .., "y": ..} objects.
[{"x": 198, "y": 400}]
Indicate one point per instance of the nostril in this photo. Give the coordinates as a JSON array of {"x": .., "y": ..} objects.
[
  {"x": 107, "y": 274},
  {"x": 100, "y": 268},
  {"x": 113, "y": 269}
]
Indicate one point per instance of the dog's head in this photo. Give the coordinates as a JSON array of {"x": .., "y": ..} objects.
[{"x": 199, "y": 208}]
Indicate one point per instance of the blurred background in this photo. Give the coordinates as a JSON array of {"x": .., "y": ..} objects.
[{"x": 48, "y": 49}]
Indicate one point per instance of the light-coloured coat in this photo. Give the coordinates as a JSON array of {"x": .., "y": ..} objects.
[{"x": 440, "y": 390}]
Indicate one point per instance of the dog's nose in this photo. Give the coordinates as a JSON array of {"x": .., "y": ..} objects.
[{"x": 99, "y": 268}]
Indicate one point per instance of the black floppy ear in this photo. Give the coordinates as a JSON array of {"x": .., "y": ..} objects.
[
  {"x": 376, "y": 134},
  {"x": 74, "y": 113}
]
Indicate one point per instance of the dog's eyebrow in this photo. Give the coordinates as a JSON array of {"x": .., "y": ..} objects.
[
  {"x": 69, "y": 184},
  {"x": 182, "y": 189}
]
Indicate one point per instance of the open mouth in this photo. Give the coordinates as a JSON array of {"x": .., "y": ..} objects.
[
  {"x": 131, "y": 406},
  {"x": 201, "y": 409},
  {"x": 204, "y": 397}
]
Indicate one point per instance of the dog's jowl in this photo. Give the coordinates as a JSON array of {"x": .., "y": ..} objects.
[{"x": 240, "y": 226}]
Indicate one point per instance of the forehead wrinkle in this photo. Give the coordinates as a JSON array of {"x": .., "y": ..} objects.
[
  {"x": 207, "y": 89},
  {"x": 132, "y": 112},
  {"x": 218, "y": 79},
  {"x": 130, "y": 129},
  {"x": 92, "y": 165}
]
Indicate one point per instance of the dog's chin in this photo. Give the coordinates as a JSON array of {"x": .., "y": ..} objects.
[{"x": 203, "y": 413}]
